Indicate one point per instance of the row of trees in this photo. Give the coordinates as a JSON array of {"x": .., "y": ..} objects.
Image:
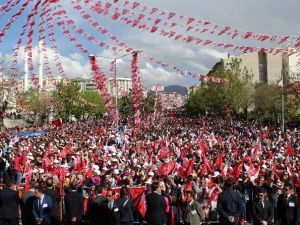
[
  {"x": 68, "y": 101},
  {"x": 240, "y": 97}
]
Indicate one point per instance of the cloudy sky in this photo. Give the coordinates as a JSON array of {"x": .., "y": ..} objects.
[{"x": 268, "y": 17}]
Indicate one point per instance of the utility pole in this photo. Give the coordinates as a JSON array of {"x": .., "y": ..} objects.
[
  {"x": 116, "y": 91},
  {"x": 281, "y": 84}
]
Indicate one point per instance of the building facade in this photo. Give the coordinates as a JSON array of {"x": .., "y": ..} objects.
[
  {"x": 266, "y": 67},
  {"x": 124, "y": 85}
]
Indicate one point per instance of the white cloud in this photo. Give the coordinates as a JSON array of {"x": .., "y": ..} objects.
[
  {"x": 151, "y": 75},
  {"x": 213, "y": 53},
  {"x": 194, "y": 58}
]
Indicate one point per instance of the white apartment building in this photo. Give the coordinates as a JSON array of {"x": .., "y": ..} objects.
[{"x": 124, "y": 85}]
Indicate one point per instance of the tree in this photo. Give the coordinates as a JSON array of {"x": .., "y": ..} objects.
[
  {"x": 235, "y": 93},
  {"x": 68, "y": 101},
  {"x": 94, "y": 103},
  {"x": 266, "y": 100},
  {"x": 197, "y": 102},
  {"x": 37, "y": 104},
  {"x": 125, "y": 106}
]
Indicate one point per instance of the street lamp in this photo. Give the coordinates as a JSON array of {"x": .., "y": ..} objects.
[{"x": 280, "y": 84}]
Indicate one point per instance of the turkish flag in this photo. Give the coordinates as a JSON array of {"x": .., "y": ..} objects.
[
  {"x": 164, "y": 153},
  {"x": 219, "y": 161},
  {"x": 142, "y": 205},
  {"x": 57, "y": 123},
  {"x": 202, "y": 145},
  {"x": 290, "y": 151},
  {"x": 237, "y": 170},
  {"x": 166, "y": 168}
]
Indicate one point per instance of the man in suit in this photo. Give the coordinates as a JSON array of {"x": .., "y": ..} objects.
[
  {"x": 74, "y": 205},
  {"x": 27, "y": 205},
  {"x": 229, "y": 205},
  {"x": 193, "y": 212},
  {"x": 54, "y": 194},
  {"x": 96, "y": 208},
  {"x": 156, "y": 206},
  {"x": 9, "y": 200},
  {"x": 42, "y": 207},
  {"x": 112, "y": 210},
  {"x": 261, "y": 209},
  {"x": 288, "y": 206},
  {"x": 126, "y": 207}
]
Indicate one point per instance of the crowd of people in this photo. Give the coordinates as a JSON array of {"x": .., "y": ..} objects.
[{"x": 178, "y": 170}]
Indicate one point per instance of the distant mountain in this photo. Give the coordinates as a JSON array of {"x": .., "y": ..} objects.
[{"x": 177, "y": 88}]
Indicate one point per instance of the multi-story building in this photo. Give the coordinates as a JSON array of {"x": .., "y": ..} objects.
[
  {"x": 266, "y": 67},
  {"x": 124, "y": 85}
]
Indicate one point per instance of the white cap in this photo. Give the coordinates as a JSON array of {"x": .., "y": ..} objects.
[
  {"x": 55, "y": 161},
  {"x": 104, "y": 168},
  {"x": 95, "y": 167},
  {"x": 116, "y": 171},
  {"x": 216, "y": 174},
  {"x": 41, "y": 171},
  {"x": 151, "y": 173},
  {"x": 97, "y": 172}
]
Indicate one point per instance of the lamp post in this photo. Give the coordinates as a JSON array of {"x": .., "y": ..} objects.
[{"x": 280, "y": 84}]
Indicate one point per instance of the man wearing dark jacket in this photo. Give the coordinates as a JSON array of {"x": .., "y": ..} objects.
[
  {"x": 126, "y": 207},
  {"x": 112, "y": 210},
  {"x": 42, "y": 207},
  {"x": 229, "y": 205},
  {"x": 156, "y": 206},
  {"x": 96, "y": 208},
  {"x": 27, "y": 205},
  {"x": 288, "y": 206},
  {"x": 54, "y": 194},
  {"x": 9, "y": 200},
  {"x": 73, "y": 206},
  {"x": 262, "y": 209}
]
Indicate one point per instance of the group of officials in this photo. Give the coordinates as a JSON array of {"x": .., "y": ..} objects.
[{"x": 40, "y": 206}]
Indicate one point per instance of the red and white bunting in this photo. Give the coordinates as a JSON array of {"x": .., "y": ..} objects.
[
  {"x": 9, "y": 5},
  {"x": 28, "y": 47},
  {"x": 53, "y": 45},
  {"x": 155, "y": 28},
  {"x": 15, "y": 52},
  {"x": 42, "y": 39},
  {"x": 136, "y": 89},
  {"x": 100, "y": 80},
  {"x": 199, "y": 25},
  {"x": 13, "y": 19}
]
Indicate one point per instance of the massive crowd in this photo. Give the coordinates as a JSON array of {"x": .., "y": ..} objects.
[{"x": 187, "y": 159}]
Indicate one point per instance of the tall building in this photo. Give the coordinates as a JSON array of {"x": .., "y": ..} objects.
[
  {"x": 124, "y": 85},
  {"x": 265, "y": 67}
]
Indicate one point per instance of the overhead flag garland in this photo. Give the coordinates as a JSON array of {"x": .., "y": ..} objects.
[{"x": 44, "y": 16}]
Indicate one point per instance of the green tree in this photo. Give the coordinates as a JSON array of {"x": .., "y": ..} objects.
[
  {"x": 38, "y": 104},
  {"x": 94, "y": 103},
  {"x": 68, "y": 101},
  {"x": 266, "y": 100},
  {"x": 236, "y": 92},
  {"x": 197, "y": 102},
  {"x": 125, "y": 106}
]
